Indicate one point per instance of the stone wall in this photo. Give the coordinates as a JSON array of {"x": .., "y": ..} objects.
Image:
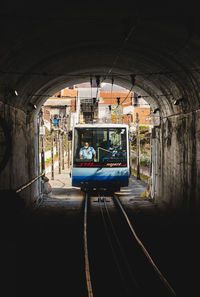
[
  {"x": 176, "y": 161},
  {"x": 22, "y": 165}
]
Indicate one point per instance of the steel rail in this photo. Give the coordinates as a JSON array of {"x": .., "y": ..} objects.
[
  {"x": 162, "y": 278},
  {"x": 102, "y": 199},
  {"x": 120, "y": 246},
  {"x": 87, "y": 266},
  {"x": 29, "y": 183}
]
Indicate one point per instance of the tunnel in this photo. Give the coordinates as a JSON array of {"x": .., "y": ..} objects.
[
  {"x": 150, "y": 48},
  {"x": 44, "y": 50}
]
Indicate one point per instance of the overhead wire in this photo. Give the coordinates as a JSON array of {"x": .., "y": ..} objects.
[
  {"x": 91, "y": 86},
  {"x": 98, "y": 85},
  {"x": 124, "y": 42},
  {"x": 120, "y": 50},
  {"x": 133, "y": 83},
  {"x": 112, "y": 86},
  {"x": 127, "y": 95}
]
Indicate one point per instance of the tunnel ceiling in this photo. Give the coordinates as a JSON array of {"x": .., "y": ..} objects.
[{"x": 45, "y": 48}]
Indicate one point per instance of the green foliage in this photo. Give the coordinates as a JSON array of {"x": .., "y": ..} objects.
[
  {"x": 47, "y": 132},
  {"x": 145, "y": 162},
  {"x": 134, "y": 159},
  {"x": 143, "y": 177},
  {"x": 48, "y": 160},
  {"x": 144, "y": 140},
  {"x": 143, "y": 127}
]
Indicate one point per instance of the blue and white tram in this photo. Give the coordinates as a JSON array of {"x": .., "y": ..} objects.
[{"x": 100, "y": 156}]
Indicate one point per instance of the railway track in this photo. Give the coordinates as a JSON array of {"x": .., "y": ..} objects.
[{"x": 116, "y": 261}]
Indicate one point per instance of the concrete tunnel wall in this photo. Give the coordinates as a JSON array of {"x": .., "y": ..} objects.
[
  {"x": 176, "y": 162},
  {"x": 163, "y": 52},
  {"x": 23, "y": 164}
]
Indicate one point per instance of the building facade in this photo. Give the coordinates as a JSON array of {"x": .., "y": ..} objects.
[{"x": 84, "y": 103}]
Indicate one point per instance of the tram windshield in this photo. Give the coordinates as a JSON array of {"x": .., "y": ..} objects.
[{"x": 100, "y": 147}]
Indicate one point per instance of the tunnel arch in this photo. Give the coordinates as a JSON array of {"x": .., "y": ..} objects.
[{"x": 163, "y": 53}]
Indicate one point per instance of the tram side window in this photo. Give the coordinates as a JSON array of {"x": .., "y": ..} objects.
[{"x": 76, "y": 145}]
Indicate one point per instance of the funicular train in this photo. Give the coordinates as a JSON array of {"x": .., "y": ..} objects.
[{"x": 100, "y": 156}]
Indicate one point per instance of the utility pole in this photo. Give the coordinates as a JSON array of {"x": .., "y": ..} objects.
[
  {"x": 150, "y": 136},
  {"x": 118, "y": 111},
  {"x": 63, "y": 157},
  {"x": 129, "y": 142},
  {"x": 42, "y": 142},
  {"x": 56, "y": 139},
  {"x": 59, "y": 148},
  {"x": 67, "y": 146},
  {"x": 69, "y": 142},
  {"x": 138, "y": 145},
  {"x": 120, "y": 114},
  {"x": 52, "y": 151}
]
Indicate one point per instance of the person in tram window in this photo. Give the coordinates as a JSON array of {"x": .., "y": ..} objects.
[
  {"x": 87, "y": 152},
  {"x": 113, "y": 150}
]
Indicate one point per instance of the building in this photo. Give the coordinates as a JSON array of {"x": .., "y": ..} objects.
[
  {"x": 113, "y": 104},
  {"x": 82, "y": 103},
  {"x": 62, "y": 105},
  {"x": 87, "y": 98}
]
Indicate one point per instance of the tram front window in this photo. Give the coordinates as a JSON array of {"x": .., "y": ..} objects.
[{"x": 100, "y": 147}]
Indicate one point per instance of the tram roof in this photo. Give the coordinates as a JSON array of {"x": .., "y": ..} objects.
[{"x": 104, "y": 125}]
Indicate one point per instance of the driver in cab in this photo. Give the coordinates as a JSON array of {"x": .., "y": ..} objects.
[{"x": 87, "y": 152}]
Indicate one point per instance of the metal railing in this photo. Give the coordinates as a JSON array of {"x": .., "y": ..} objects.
[{"x": 29, "y": 183}]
